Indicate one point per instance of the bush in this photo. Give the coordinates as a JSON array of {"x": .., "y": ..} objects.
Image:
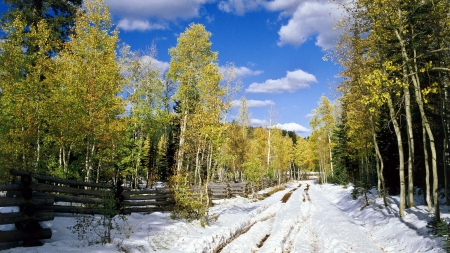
[
  {"x": 98, "y": 229},
  {"x": 440, "y": 228},
  {"x": 190, "y": 204},
  {"x": 340, "y": 177},
  {"x": 361, "y": 188}
]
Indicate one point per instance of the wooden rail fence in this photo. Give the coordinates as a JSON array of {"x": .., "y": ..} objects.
[{"x": 39, "y": 197}]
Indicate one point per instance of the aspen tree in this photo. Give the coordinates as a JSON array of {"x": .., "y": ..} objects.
[
  {"x": 24, "y": 94},
  {"x": 90, "y": 77}
]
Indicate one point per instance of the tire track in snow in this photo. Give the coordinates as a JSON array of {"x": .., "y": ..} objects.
[
  {"x": 288, "y": 221},
  {"x": 256, "y": 236},
  {"x": 306, "y": 210},
  {"x": 338, "y": 232},
  {"x": 217, "y": 241}
]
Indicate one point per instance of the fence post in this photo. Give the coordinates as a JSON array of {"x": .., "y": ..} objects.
[
  {"x": 119, "y": 197},
  {"x": 29, "y": 226}
]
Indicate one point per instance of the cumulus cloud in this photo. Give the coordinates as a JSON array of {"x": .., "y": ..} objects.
[
  {"x": 311, "y": 18},
  {"x": 294, "y": 127},
  {"x": 162, "y": 66},
  {"x": 242, "y": 72},
  {"x": 287, "y": 7},
  {"x": 135, "y": 14},
  {"x": 161, "y": 9},
  {"x": 306, "y": 18},
  {"x": 239, "y": 7},
  {"x": 139, "y": 25},
  {"x": 253, "y": 103},
  {"x": 293, "y": 81}
]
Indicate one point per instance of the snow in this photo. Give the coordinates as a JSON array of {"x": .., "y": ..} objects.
[{"x": 323, "y": 218}]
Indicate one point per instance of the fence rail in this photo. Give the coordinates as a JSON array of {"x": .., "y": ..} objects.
[{"x": 39, "y": 197}]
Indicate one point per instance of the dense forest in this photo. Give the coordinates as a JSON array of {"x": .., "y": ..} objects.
[{"x": 77, "y": 104}]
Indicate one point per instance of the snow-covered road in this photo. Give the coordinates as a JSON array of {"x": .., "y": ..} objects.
[
  {"x": 315, "y": 218},
  {"x": 307, "y": 222}
]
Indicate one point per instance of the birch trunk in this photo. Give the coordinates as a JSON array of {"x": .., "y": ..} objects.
[
  {"x": 400, "y": 156},
  {"x": 419, "y": 101},
  {"x": 427, "y": 171},
  {"x": 410, "y": 146},
  {"x": 380, "y": 162},
  {"x": 180, "y": 152}
]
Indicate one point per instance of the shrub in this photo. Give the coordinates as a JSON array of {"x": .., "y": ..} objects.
[
  {"x": 361, "y": 188},
  {"x": 190, "y": 204},
  {"x": 440, "y": 228},
  {"x": 98, "y": 229}
]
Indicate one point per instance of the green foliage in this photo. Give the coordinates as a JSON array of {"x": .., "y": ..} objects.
[
  {"x": 340, "y": 176},
  {"x": 440, "y": 228},
  {"x": 360, "y": 189},
  {"x": 190, "y": 204},
  {"x": 58, "y": 14}
]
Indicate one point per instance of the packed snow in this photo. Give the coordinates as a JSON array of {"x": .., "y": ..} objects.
[{"x": 315, "y": 218}]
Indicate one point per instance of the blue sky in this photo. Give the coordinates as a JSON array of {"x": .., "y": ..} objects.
[{"x": 277, "y": 47}]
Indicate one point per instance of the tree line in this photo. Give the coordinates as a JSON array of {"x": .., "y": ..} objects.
[
  {"x": 76, "y": 104},
  {"x": 389, "y": 125}
]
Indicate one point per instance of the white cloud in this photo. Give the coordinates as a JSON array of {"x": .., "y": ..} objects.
[
  {"x": 140, "y": 25},
  {"x": 162, "y": 66},
  {"x": 287, "y": 126},
  {"x": 288, "y": 7},
  {"x": 309, "y": 115},
  {"x": 294, "y": 127},
  {"x": 311, "y": 18},
  {"x": 239, "y": 72},
  {"x": 244, "y": 72},
  {"x": 160, "y": 9},
  {"x": 239, "y": 7},
  {"x": 306, "y": 18},
  {"x": 145, "y": 15},
  {"x": 253, "y": 103},
  {"x": 293, "y": 81},
  {"x": 259, "y": 123}
]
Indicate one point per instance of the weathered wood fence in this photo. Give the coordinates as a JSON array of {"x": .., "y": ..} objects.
[{"x": 39, "y": 197}]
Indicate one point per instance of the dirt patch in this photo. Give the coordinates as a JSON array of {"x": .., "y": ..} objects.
[
  {"x": 287, "y": 195},
  {"x": 306, "y": 194},
  {"x": 261, "y": 243}
]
